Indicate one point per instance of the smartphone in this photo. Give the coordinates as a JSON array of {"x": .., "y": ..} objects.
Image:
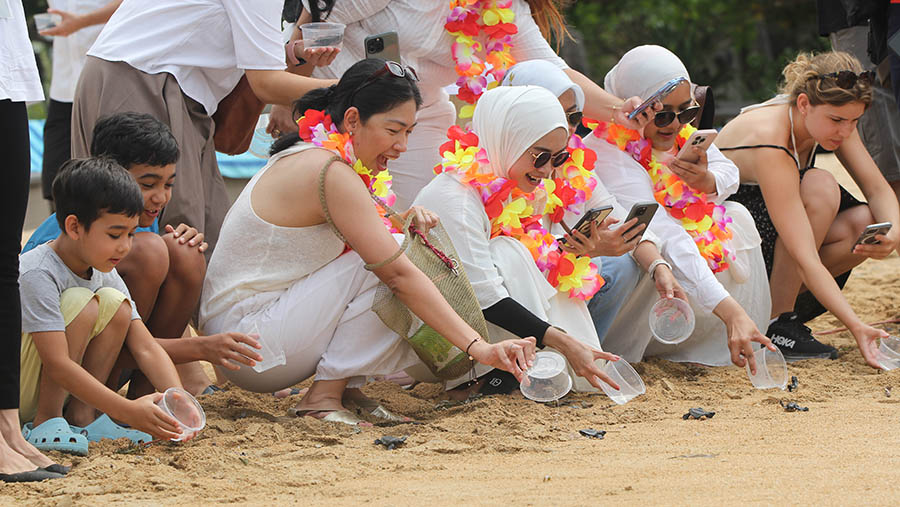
[
  {"x": 593, "y": 215},
  {"x": 660, "y": 94},
  {"x": 384, "y": 45},
  {"x": 868, "y": 235},
  {"x": 643, "y": 211},
  {"x": 700, "y": 138}
]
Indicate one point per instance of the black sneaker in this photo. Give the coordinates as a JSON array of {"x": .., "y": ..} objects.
[{"x": 796, "y": 340}]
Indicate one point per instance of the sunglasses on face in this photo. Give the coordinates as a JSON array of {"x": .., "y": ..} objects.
[
  {"x": 574, "y": 118},
  {"x": 685, "y": 116},
  {"x": 847, "y": 79},
  {"x": 557, "y": 159},
  {"x": 390, "y": 67}
]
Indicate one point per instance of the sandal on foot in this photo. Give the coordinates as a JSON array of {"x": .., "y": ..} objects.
[
  {"x": 56, "y": 468},
  {"x": 376, "y": 409},
  {"x": 36, "y": 475},
  {"x": 104, "y": 427},
  {"x": 56, "y": 435},
  {"x": 339, "y": 416}
]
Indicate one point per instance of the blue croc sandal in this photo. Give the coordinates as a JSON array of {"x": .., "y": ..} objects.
[
  {"x": 104, "y": 427},
  {"x": 56, "y": 435}
]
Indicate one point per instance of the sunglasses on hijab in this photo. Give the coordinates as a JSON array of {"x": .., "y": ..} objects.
[
  {"x": 685, "y": 116},
  {"x": 556, "y": 159}
]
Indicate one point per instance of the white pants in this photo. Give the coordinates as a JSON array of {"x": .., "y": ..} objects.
[{"x": 325, "y": 326}]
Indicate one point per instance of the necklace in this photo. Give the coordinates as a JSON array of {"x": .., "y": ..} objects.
[
  {"x": 794, "y": 141},
  {"x": 466, "y": 21}
]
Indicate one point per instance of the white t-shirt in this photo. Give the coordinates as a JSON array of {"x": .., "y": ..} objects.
[
  {"x": 205, "y": 44},
  {"x": 19, "y": 79},
  {"x": 69, "y": 52}
]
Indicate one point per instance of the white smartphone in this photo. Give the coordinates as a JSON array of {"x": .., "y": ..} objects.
[
  {"x": 868, "y": 234},
  {"x": 703, "y": 139},
  {"x": 384, "y": 45}
]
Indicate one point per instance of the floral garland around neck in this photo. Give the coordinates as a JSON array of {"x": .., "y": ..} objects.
[
  {"x": 705, "y": 221},
  {"x": 467, "y": 19},
  {"x": 512, "y": 212},
  {"x": 316, "y": 127}
]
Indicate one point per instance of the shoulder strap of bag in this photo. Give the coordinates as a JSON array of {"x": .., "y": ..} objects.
[{"x": 322, "y": 201}]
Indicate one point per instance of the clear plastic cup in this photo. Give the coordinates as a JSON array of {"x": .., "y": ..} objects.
[
  {"x": 179, "y": 404},
  {"x": 317, "y": 35},
  {"x": 262, "y": 140},
  {"x": 271, "y": 357},
  {"x": 548, "y": 379},
  {"x": 771, "y": 369},
  {"x": 630, "y": 383},
  {"x": 889, "y": 353},
  {"x": 671, "y": 320},
  {"x": 46, "y": 21}
]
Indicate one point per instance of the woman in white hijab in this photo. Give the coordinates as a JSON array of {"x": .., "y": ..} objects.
[
  {"x": 524, "y": 133},
  {"x": 738, "y": 296},
  {"x": 607, "y": 245}
]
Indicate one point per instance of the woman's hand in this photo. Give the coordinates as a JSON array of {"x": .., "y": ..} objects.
[
  {"x": 423, "y": 219},
  {"x": 695, "y": 174},
  {"x": 620, "y": 114},
  {"x": 603, "y": 241},
  {"x": 228, "y": 349},
  {"x": 315, "y": 56},
  {"x": 69, "y": 24},
  {"x": 867, "y": 339},
  {"x": 741, "y": 332},
  {"x": 185, "y": 234},
  {"x": 514, "y": 356},
  {"x": 581, "y": 357},
  {"x": 281, "y": 121},
  {"x": 887, "y": 244},
  {"x": 666, "y": 284}
]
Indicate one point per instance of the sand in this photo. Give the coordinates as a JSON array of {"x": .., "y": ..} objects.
[{"x": 506, "y": 449}]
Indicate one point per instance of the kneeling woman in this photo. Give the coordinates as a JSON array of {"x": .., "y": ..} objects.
[
  {"x": 291, "y": 258},
  {"x": 487, "y": 200}
]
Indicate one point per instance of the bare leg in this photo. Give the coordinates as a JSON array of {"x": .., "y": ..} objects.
[
  {"x": 16, "y": 454},
  {"x": 841, "y": 237},
  {"x": 821, "y": 197},
  {"x": 324, "y": 396},
  {"x": 144, "y": 271}
]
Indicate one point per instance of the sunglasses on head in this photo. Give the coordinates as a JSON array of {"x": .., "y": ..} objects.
[
  {"x": 557, "y": 159},
  {"x": 390, "y": 67},
  {"x": 574, "y": 118},
  {"x": 685, "y": 116},
  {"x": 847, "y": 79}
]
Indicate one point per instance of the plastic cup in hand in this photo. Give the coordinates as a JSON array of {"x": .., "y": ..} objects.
[
  {"x": 179, "y": 404},
  {"x": 889, "y": 353},
  {"x": 771, "y": 370},
  {"x": 548, "y": 379},
  {"x": 318, "y": 35},
  {"x": 630, "y": 383},
  {"x": 671, "y": 320},
  {"x": 262, "y": 140},
  {"x": 46, "y": 21}
]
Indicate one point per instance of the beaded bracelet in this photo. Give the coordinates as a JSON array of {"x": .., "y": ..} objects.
[{"x": 469, "y": 347}]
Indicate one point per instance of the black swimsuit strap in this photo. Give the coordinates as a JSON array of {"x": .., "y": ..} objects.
[{"x": 777, "y": 147}]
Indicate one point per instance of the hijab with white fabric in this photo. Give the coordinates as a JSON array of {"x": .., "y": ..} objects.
[
  {"x": 508, "y": 120},
  {"x": 544, "y": 74},
  {"x": 643, "y": 70}
]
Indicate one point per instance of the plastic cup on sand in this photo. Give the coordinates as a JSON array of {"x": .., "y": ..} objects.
[
  {"x": 548, "y": 379},
  {"x": 671, "y": 320},
  {"x": 630, "y": 383},
  {"x": 179, "y": 404},
  {"x": 771, "y": 369},
  {"x": 46, "y": 21},
  {"x": 889, "y": 353},
  {"x": 317, "y": 35}
]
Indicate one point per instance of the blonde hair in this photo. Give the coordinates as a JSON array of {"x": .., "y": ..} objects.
[
  {"x": 550, "y": 20},
  {"x": 803, "y": 75}
]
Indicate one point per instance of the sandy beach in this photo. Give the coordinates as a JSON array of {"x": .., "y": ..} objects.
[{"x": 506, "y": 449}]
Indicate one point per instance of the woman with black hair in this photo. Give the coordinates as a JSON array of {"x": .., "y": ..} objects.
[{"x": 291, "y": 262}]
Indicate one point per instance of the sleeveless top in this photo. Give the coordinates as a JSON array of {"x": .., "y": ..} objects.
[{"x": 259, "y": 260}]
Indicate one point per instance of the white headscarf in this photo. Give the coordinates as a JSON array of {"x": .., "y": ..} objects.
[
  {"x": 509, "y": 119},
  {"x": 544, "y": 74},
  {"x": 642, "y": 71}
]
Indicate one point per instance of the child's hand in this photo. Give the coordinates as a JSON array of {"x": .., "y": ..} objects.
[
  {"x": 144, "y": 415},
  {"x": 185, "y": 234},
  {"x": 226, "y": 349}
]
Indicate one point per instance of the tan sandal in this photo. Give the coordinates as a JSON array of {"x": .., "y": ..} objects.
[{"x": 338, "y": 416}]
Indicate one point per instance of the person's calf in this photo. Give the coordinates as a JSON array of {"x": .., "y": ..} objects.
[{"x": 179, "y": 294}]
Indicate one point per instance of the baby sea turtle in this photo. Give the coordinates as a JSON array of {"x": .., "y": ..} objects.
[
  {"x": 792, "y": 406},
  {"x": 592, "y": 433},
  {"x": 698, "y": 413},
  {"x": 794, "y": 384},
  {"x": 390, "y": 443}
]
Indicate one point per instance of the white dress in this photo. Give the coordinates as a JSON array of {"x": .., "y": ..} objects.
[
  {"x": 425, "y": 46},
  {"x": 502, "y": 267},
  {"x": 745, "y": 280}
]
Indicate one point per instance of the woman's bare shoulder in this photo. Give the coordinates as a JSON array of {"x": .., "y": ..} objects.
[{"x": 760, "y": 126}]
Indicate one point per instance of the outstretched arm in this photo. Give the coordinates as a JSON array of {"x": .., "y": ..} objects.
[{"x": 71, "y": 23}]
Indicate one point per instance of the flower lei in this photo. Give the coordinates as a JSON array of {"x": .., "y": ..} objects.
[
  {"x": 467, "y": 19},
  {"x": 317, "y": 128},
  {"x": 517, "y": 218},
  {"x": 704, "y": 221}
]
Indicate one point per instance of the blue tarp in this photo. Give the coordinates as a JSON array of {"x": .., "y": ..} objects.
[{"x": 237, "y": 167}]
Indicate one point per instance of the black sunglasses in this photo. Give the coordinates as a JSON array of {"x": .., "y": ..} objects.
[
  {"x": 541, "y": 159},
  {"x": 685, "y": 116},
  {"x": 390, "y": 67},
  {"x": 847, "y": 79},
  {"x": 574, "y": 118}
]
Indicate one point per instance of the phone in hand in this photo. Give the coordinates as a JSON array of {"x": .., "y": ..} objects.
[
  {"x": 660, "y": 94},
  {"x": 643, "y": 211},
  {"x": 383, "y": 45},
  {"x": 867, "y": 237},
  {"x": 702, "y": 139},
  {"x": 594, "y": 215}
]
